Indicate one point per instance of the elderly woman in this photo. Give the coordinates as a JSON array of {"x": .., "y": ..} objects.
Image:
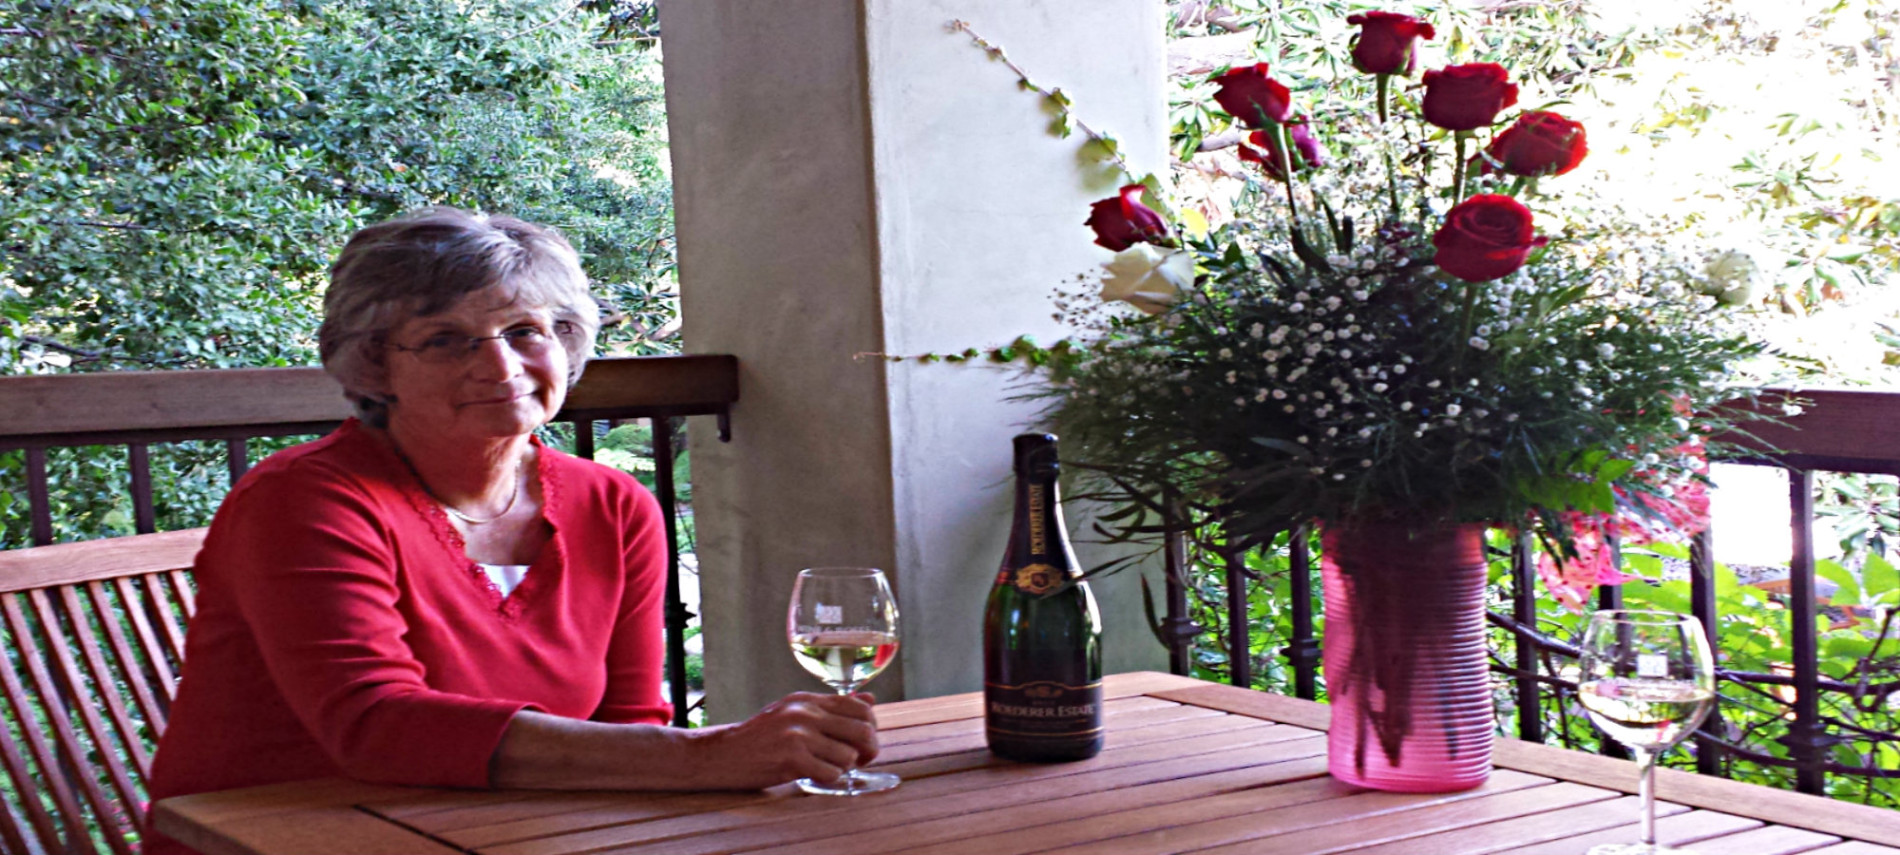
[{"x": 429, "y": 595}]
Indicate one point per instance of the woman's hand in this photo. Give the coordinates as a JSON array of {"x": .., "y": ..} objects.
[{"x": 802, "y": 735}]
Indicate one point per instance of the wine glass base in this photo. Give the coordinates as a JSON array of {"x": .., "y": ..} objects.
[
  {"x": 853, "y": 783},
  {"x": 1637, "y": 849}
]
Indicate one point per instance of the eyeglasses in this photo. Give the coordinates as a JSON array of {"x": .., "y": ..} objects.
[{"x": 445, "y": 348}]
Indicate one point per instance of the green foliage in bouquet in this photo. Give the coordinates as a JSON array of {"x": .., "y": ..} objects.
[{"x": 1383, "y": 332}]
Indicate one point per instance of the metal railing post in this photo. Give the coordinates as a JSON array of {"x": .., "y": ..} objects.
[
  {"x": 1303, "y": 650},
  {"x": 1708, "y": 758},
  {"x": 676, "y": 614},
  {"x": 1239, "y": 639},
  {"x": 1530, "y": 706},
  {"x": 1807, "y": 742}
]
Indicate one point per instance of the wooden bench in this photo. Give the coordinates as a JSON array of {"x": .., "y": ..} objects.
[{"x": 94, "y": 635}]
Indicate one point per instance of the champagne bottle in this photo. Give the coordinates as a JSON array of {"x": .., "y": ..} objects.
[{"x": 1042, "y": 634}]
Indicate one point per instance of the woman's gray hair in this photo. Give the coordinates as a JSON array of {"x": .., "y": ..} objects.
[{"x": 420, "y": 264}]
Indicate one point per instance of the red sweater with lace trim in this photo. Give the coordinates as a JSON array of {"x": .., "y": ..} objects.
[{"x": 343, "y": 631}]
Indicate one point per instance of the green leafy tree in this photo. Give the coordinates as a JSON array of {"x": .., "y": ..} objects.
[{"x": 175, "y": 178}]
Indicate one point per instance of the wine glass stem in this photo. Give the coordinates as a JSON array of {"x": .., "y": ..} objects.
[
  {"x": 850, "y": 776},
  {"x": 1646, "y": 791}
]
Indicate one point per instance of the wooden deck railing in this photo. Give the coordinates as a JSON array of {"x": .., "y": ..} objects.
[{"x": 1834, "y": 431}]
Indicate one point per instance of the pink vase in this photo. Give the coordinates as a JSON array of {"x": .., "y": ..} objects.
[{"x": 1406, "y": 666}]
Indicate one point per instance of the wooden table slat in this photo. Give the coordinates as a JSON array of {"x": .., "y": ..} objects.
[
  {"x": 1521, "y": 830},
  {"x": 1768, "y": 840},
  {"x": 1682, "y": 829},
  {"x": 1854, "y": 847},
  {"x": 1298, "y": 829},
  {"x": 1418, "y": 821},
  {"x": 299, "y": 817}
]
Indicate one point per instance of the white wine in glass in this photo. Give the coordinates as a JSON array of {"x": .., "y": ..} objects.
[
  {"x": 842, "y": 626},
  {"x": 1647, "y": 679}
]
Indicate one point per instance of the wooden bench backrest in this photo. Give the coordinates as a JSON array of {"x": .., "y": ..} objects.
[{"x": 94, "y": 639}]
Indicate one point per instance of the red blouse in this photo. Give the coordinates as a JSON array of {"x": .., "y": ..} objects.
[{"x": 343, "y": 631}]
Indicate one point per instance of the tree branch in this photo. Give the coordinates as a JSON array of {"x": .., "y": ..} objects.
[
  {"x": 544, "y": 24},
  {"x": 49, "y": 344},
  {"x": 97, "y": 225}
]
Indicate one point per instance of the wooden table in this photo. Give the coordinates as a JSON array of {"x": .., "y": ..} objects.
[{"x": 1190, "y": 766}]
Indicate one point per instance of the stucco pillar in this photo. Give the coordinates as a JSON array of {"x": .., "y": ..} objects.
[{"x": 853, "y": 177}]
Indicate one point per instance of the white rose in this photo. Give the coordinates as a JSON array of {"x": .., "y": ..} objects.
[
  {"x": 1148, "y": 278},
  {"x": 1732, "y": 277}
]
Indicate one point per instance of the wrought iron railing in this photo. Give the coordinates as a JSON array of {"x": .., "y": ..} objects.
[
  {"x": 1835, "y": 431},
  {"x": 139, "y": 409}
]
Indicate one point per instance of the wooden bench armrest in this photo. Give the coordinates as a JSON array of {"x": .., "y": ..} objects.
[{"x": 91, "y": 560}]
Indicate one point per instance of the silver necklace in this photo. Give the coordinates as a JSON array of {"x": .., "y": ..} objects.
[
  {"x": 512, "y": 499},
  {"x": 450, "y": 509}
]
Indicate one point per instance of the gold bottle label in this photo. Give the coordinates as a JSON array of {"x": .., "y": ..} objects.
[
  {"x": 1038, "y": 579},
  {"x": 1043, "y": 708}
]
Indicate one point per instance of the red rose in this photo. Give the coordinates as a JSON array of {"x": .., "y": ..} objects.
[
  {"x": 1251, "y": 97},
  {"x": 1267, "y": 157},
  {"x": 1121, "y": 221},
  {"x": 1485, "y": 237},
  {"x": 1538, "y": 143},
  {"x": 1467, "y": 97},
  {"x": 1387, "y": 42}
]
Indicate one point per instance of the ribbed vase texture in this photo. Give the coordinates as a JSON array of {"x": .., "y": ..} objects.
[{"x": 1406, "y": 666}]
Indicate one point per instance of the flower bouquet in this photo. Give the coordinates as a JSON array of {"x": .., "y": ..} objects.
[{"x": 1407, "y": 340}]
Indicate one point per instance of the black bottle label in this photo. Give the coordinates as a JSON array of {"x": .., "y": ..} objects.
[{"x": 1044, "y": 709}]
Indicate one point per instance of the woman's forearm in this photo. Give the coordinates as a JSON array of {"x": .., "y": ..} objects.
[
  {"x": 542, "y": 751},
  {"x": 802, "y": 735}
]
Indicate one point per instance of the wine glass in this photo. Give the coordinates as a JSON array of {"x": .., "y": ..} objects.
[
  {"x": 1647, "y": 679},
  {"x": 843, "y": 629}
]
